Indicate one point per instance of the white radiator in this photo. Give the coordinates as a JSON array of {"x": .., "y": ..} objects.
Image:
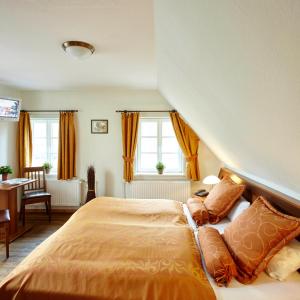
[
  {"x": 174, "y": 190},
  {"x": 63, "y": 193}
]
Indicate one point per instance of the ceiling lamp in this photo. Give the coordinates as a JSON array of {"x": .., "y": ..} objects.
[{"x": 78, "y": 49}]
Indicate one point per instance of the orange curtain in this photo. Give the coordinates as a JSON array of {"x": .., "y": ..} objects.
[
  {"x": 189, "y": 143},
  {"x": 24, "y": 142},
  {"x": 66, "y": 168},
  {"x": 130, "y": 123}
]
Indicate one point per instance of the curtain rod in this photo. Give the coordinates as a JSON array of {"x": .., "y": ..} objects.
[
  {"x": 150, "y": 111},
  {"x": 53, "y": 110}
]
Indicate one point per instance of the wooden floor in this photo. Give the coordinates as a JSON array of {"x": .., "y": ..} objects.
[{"x": 21, "y": 247}]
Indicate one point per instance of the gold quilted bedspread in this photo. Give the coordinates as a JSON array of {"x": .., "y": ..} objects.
[{"x": 114, "y": 249}]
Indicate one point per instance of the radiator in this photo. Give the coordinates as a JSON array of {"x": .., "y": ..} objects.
[
  {"x": 174, "y": 190},
  {"x": 63, "y": 193}
]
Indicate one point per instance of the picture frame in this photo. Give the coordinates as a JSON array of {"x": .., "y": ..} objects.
[{"x": 99, "y": 126}]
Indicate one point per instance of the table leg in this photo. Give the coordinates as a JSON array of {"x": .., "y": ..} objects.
[{"x": 13, "y": 210}]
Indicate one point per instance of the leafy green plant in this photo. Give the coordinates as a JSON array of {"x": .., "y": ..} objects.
[
  {"x": 160, "y": 167},
  {"x": 6, "y": 170},
  {"x": 47, "y": 166}
]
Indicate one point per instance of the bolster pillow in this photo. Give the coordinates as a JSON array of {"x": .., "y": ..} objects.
[
  {"x": 197, "y": 210},
  {"x": 218, "y": 260}
]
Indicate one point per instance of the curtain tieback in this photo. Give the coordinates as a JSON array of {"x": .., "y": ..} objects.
[
  {"x": 128, "y": 159},
  {"x": 192, "y": 157}
]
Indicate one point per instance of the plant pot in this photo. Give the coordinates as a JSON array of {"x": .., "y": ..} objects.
[
  {"x": 160, "y": 172},
  {"x": 47, "y": 171},
  {"x": 4, "y": 176}
]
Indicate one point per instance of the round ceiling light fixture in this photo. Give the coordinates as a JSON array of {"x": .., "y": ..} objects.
[{"x": 78, "y": 49}]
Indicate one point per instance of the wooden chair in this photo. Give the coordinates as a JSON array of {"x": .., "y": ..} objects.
[
  {"x": 4, "y": 222},
  {"x": 35, "y": 192}
]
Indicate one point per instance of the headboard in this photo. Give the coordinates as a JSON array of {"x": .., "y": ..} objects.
[{"x": 254, "y": 189}]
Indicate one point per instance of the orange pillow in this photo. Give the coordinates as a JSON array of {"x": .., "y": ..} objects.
[
  {"x": 197, "y": 210},
  {"x": 218, "y": 260},
  {"x": 256, "y": 235},
  {"x": 222, "y": 198}
]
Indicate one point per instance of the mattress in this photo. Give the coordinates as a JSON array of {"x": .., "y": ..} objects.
[{"x": 264, "y": 287}]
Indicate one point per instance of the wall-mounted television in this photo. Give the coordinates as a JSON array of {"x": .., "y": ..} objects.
[{"x": 9, "y": 109}]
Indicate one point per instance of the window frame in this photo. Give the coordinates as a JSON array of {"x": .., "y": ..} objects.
[
  {"x": 49, "y": 119},
  {"x": 152, "y": 173}
]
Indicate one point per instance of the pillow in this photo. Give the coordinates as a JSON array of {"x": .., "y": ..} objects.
[
  {"x": 256, "y": 235},
  {"x": 218, "y": 260},
  {"x": 238, "y": 208},
  {"x": 285, "y": 262},
  {"x": 221, "y": 199},
  {"x": 197, "y": 210}
]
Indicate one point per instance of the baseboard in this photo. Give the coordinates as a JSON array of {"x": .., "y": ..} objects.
[{"x": 54, "y": 209}]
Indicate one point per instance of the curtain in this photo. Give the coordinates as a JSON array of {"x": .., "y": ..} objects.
[
  {"x": 24, "y": 142},
  {"x": 130, "y": 123},
  {"x": 66, "y": 168},
  {"x": 189, "y": 142}
]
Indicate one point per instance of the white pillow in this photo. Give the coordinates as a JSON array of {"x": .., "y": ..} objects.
[
  {"x": 285, "y": 262},
  {"x": 238, "y": 208}
]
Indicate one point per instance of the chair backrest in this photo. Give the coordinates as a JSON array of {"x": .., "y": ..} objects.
[{"x": 37, "y": 173}]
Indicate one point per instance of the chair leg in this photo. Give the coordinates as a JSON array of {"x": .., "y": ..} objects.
[
  {"x": 7, "y": 239},
  {"x": 49, "y": 209}
]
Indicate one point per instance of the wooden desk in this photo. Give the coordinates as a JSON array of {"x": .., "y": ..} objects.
[{"x": 9, "y": 199}]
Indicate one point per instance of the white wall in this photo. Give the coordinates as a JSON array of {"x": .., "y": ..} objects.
[
  {"x": 104, "y": 151},
  {"x": 232, "y": 69},
  {"x": 8, "y": 132}
]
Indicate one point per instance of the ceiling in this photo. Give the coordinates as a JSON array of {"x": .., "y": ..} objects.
[
  {"x": 232, "y": 69},
  {"x": 32, "y": 31}
]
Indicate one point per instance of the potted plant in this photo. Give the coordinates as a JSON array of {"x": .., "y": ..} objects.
[
  {"x": 5, "y": 170},
  {"x": 47, "y": 166},
  {"x": 160, "y": 167}
]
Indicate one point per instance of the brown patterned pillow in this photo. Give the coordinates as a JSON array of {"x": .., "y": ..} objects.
[
  {"x": 256, "y": 235},
  {"x": 222, "y": 198},
  {"x": 197, "y": 210},
  {"x": 218, "y": 260}
]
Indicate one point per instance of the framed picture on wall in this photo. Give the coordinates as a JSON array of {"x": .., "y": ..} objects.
[{"x": 99, "y": 126}]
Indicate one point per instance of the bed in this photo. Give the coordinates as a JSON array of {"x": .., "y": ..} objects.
[
  {"x": 115, "y": 249},
  {"x": 135, "y": 249}
]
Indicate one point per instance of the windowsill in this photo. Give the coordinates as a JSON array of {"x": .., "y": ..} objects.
[{"x": 155, "y": 176}]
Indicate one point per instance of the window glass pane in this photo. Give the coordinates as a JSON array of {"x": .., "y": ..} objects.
[
  {"x": 169, "y": 144},
  {"x": 167, "y": 128},
  {"x": 54, "y": 129},
  {"x": 148, "y": 162},
  {"x": 149, "y": 144},
  {"x": 39, "y": 129},
  {"x": 45, "y": 142},
  {"x": 148, "y": 128},
  {"x": 171, "y": 161},
  {"x": 54, "y": 145},
  {"x": 39, "y": 153}
]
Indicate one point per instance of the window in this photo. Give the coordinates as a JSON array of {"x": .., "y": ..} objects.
[
  {"x": 157, "y": 142},
  {"x": 45, "y": 142}
]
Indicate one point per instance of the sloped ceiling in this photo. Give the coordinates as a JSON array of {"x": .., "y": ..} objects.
[{"x": 232, "y": 69}]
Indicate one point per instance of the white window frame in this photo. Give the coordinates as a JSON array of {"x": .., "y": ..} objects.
[
  {"x": 49, "y": 120},
  {"x": 180, "y": 174}
]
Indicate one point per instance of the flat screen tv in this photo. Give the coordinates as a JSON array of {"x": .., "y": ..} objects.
[{"x": 9, "y": 109}]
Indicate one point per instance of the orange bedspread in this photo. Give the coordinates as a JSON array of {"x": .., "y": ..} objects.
[{"x": 114, "y": 249}]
